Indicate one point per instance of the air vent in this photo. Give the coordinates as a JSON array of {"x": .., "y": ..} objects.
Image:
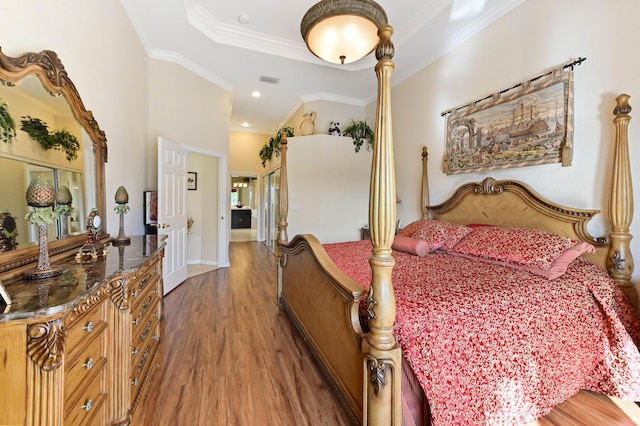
[{"x": 266, "y": 79}]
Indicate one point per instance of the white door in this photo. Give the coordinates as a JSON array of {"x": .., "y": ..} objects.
[{"x": 172, "y": 210}]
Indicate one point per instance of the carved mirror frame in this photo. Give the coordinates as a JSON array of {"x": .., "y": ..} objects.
[{"x": 54, "y": 78}]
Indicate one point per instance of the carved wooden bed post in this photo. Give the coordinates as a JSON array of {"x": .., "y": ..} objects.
[
  {"x": 284, "y": 195},
  {"x": 620, "y": 259},
  {"x": 382, "y": 354},
  {"x": 283, "y": 198},
  {"x": 426, "y": 211}
]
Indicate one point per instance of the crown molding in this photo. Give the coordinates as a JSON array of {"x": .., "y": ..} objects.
[
  {"x": 320, "y": 96},
  {"x": 176, "y": 58},
  {"x": 200, "y": 18}
]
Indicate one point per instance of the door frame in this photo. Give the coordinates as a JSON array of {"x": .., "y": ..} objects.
[{"x": 224, "y": 199}]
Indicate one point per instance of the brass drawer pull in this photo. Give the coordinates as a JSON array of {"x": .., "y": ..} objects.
[
  {"x": 143, "y": 359},
  {"x": 135, "y": 382},
  {"x": 89, "y": 364},
  {"x": 89, "y": 327},
  {"x": 155, "y": 337},
  {"x": 136, "y": 321},
  {"x": 135, "y": 293},
  {"x": 145, "y": 305},
  {"x": 87, "y": 406},
  {"x": 135, "y": 351},
  {"x": 157, "y": 315},
  {"x": 145, "y": 332},
  {"x": 145, "y": 281}
]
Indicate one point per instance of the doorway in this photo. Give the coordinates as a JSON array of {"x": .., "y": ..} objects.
[{"x": 244, "y": 208}]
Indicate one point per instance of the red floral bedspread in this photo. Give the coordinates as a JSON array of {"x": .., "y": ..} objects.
[{"x": 496, "y": 345}]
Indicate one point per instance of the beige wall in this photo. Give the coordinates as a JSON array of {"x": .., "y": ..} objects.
[
  {"x": 243, "y": 152},
  {"x": 533, "y": 38},
  {"x": 328, "y": 188},
  {"x": 186, "y": 109}
]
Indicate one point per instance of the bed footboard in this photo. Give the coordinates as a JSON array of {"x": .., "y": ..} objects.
[{"x": 323, "y": 304}]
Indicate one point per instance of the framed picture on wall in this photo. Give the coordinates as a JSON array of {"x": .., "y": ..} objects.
[
  {"x": 192, "y": 181},
  {"x": 150, "y": 207}
]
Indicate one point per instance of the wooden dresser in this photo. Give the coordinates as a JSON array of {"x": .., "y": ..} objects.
[{"x": 82, "y": 348}]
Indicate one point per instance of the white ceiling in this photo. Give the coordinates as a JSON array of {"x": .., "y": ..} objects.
[{"x": 207, "y": 37}]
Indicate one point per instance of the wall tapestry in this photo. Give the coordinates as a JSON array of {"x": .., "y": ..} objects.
[{"x": 528, "y": 124}]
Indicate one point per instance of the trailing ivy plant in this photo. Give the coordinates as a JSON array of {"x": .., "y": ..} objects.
[
  {"x": 267, "y": 150},
  {"x": 360, "y": 132},
  {"x": 61, "y": 140},
  {"x": 7, "y": 125}
]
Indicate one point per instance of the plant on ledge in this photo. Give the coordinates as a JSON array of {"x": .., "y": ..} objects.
[
  {"x": 267, "y": 150},
  {"x": 360, "y": 132},
  {"x": 60, "y": 140},
  {"x": 7, "y": 125}
]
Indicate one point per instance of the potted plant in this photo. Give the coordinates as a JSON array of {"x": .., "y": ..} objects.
[
  {"x": 7, "y": 125},
  {"x": 267, "y": 150},
  {"x": 61, "y": 140},
  {"x": 360, "y": 132}
]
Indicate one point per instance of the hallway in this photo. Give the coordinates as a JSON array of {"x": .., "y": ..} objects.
[{"x": 232, "y": 357}]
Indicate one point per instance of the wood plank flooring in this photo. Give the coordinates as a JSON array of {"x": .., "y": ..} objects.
[{"x": 232, "y": 357}]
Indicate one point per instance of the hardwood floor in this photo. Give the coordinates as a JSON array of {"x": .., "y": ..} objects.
[{"x": 232, "y": 357}]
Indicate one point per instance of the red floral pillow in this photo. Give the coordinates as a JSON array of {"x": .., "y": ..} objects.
[
  {"x": 439, "y": 235},
  {"x": 537, "y": 251}
]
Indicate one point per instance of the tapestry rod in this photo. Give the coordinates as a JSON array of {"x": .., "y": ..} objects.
[{"x": 571, "y": 65}]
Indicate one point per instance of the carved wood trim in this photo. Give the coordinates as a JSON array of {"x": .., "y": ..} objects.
[
  {"x": 86, "y": 305},
  {"x": 377, "y": 372},
  {"x": 53, "y": 76},
  {"x": 120, "y": 293},
  {"x": 492, "y": 187},
  {"x": 46, "y": 344}
]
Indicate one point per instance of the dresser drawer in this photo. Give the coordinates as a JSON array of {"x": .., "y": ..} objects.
[
  {"x": 139, "y": 287},
  {"x": 85, "y": 366},
  {"x": 85, "y": 328},
  {"x": 141, "y": 325},
  {"x": 149, "y": 302},
  {"x": 143, "y": 364},
  {"x": 89, "y": 407}
]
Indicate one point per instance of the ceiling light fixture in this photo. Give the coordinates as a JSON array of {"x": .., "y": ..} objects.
[
  {"x": 342, "y": 31},
  {"x": 255, "y": 94}
]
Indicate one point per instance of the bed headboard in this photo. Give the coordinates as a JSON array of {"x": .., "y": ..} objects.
[{"x": 515, "y": 204}]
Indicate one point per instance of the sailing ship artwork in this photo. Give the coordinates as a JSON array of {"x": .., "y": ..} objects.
[{"x": 530, "y": 126}]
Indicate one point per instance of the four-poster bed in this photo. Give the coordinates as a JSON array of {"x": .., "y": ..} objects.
[{"x": 325, "y": 302}]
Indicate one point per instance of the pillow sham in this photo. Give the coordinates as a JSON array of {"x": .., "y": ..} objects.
[
  {"x": 439, "y": 235},
  {"x": 537, "y": 251},
  {"x": 411, "y": 245}
]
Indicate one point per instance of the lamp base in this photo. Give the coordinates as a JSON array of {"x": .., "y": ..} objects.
[{"x": 34, "y": 274}]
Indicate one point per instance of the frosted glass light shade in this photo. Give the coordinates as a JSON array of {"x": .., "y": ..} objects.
[{"x": 342, "y": 31}]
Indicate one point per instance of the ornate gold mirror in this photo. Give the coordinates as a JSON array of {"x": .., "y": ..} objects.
[{"x": 36, "y": 86}]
